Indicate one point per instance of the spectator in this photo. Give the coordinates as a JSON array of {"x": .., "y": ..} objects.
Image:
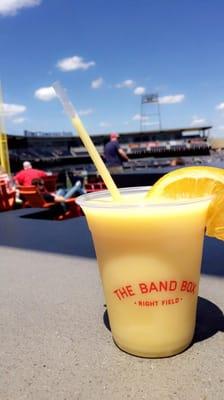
[
  {"x": 60, "y": 206},
  {"x": 4, "y": 177},
  {"x": 61, "y": 195},
  {"x": 27, "y": 174},
  {"x": 114, "y": 154},
  {"x": 48, "y": 197},
  {"x": 10, "y": 186},
  {"x": 75, "y": 191},
  {"x": 177, "y": 161}
]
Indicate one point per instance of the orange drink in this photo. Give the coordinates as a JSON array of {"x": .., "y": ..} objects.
[
  {"x": 149, "y": 247},
  {"x": 149, "y": 256}
]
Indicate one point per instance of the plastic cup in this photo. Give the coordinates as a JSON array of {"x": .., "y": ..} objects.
[{"x": 149, "y": 258}]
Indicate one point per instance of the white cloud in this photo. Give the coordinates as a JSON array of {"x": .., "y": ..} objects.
[
  {"x": 145, "y": 120},
  {"x": 19, "y": 120},
  {"x": 128, "y": 83},
  {"x": 88, "y": 111},
  {"x": 220, "y": 128},
  {"x": 198, "y": 121},
  {"x": 149, "y": 123},
  {"x": 138, "y": 117},
  {"x": 11, "y": 110},
  {"x": 11, "y": 7},
  {"x": 220, "y": 106},
  {"x": 104, "y": 124},
  {"x": 139, "y": 90},
  {"x": 74, "y": 63},
  {"x": 177, "y": 98},
  {"x": 97, "y": 83},
  {"x": 45, "y": 93}
]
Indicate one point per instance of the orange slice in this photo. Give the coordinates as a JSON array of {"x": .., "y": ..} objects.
[{"x": 194, "y": 182}]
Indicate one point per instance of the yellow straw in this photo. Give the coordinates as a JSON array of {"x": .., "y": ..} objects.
[{"x": 88, "y": 143}]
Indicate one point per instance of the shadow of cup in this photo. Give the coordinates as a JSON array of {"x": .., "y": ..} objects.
[{"x": 209, "y": 320}]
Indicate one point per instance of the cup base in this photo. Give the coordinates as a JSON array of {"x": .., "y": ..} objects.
[{"x": 151, "y": 354}]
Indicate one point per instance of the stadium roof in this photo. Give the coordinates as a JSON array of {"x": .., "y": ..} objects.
[{"x": 161, "y": 131}]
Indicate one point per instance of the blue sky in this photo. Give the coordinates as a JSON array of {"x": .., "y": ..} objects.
[{"x": 107, "y": 54}]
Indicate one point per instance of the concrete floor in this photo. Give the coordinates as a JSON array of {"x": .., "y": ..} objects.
[{"x": 55, "y": 343}]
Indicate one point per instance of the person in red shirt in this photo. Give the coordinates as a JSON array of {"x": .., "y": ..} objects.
[{"x": 27, "y": 174}]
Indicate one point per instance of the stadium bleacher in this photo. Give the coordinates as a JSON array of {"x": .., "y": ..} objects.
[{"x": 49, "y": 151}]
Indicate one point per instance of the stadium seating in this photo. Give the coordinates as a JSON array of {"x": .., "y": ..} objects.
[
  {"x": 33, "y": 198},
  {"x": 94, "y": 187},
  {"x": 7, "y": 199},
  {"x": 50, "y": 182}
]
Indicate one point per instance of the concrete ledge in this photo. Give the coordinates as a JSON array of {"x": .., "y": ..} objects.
[{"x": 55, "y": 341}]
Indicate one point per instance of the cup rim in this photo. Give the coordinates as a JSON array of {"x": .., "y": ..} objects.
[{"x": 92, "y": 200}]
